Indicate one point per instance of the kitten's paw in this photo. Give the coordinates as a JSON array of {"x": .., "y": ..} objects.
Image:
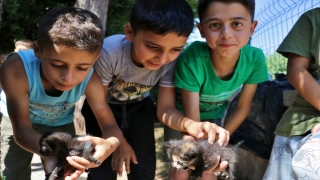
[{"x": 224, "y": 175}]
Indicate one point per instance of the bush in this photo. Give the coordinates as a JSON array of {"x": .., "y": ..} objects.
[{"x": 21, "y": 18}]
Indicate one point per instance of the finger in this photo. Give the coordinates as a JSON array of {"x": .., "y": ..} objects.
[
  {"x": 210, "y": 129},
  {"x": 78, "y": 162},
  {"x": 215, "y": 165},
  {"x": 186, "y": 136},
  {"x": 113, "y": 163},
  {"x": 195, "y": 131},
  {"x": 127, "y": 165},
  {"x": 120, "y": 167},
  {"x": 134, "y": 158},
  {"x": 75, "y": 175},
  {"x": 85, "y": 138},
  {"x": 223, "y": 137}
]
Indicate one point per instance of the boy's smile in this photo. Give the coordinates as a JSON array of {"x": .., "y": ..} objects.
[
  {"x": 151, "y": 50},
  {"x": 63, "y": 68},
  {"x": 226, "y": 27}
]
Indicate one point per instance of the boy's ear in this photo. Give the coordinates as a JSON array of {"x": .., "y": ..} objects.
[
  {"x": 253, "y": 26},
  {"x": 36, "y": 49},
  {"x": 200, "y": 29},
  {"x": 128, "y": 32}
]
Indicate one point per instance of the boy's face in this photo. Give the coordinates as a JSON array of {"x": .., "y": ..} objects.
[
  {"x": 63, "y": 68},
  {"x": 226, "y": 28},
  {"x": 151, "y": 50}
]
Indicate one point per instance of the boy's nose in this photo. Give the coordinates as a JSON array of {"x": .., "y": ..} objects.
[
  {"x": 67, "y": 75},
  {"x": 226, "y": 32},
  {"x": 163, "y": 58}
]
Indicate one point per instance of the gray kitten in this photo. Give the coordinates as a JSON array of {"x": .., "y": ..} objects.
[
  {"x": 198, "y": 156},
  {"x": 61, "y": 145}
]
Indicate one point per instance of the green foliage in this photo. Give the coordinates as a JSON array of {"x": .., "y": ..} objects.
[
  {"x": 276, "y": 63},
  {"x": 118, "y": 15},
  {"x": 21, "y": 18},
  {"x": 194, "y": 5}
]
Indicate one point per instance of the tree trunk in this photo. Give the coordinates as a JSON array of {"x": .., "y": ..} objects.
[{"x": 98, "y": 7}]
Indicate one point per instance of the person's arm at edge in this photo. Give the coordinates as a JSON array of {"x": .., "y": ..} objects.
[
  {"x": 302, "y": 80},
  {"x": 241, "y": 109}
]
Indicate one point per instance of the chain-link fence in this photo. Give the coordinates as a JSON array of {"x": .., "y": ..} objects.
[{"x": 276, "y": 18}]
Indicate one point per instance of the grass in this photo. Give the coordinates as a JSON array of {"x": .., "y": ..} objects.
[{"x": 162, "y": 167}]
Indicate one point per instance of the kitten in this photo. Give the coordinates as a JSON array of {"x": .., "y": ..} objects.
[
  {"x": 61, "y": 145},
  {"x": 198, "y": 156}
]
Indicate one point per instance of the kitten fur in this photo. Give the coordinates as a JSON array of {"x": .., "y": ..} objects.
[
  {"x": 198, "y": 156},
  {"x": 61, "y": 145}
]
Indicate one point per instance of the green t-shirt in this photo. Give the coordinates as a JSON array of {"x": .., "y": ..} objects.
[
  {"x": 304, "y": 40},
  {"x": 194, "y": 72}
]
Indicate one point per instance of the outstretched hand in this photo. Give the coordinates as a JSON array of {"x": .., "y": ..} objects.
[
  {"x": 208, "y": 130},
  {"x": 124, "y": 153},
  {"x": 103, "y": 148},
  {"x": 70, "y": 173},
  {"x": 218, "y": 166}
]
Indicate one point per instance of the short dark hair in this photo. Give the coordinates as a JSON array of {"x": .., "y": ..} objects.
[
  {"x": 162, "y": 17},
  {"x": 71, "y": 27},
  {"x": 204, "y": 4}
]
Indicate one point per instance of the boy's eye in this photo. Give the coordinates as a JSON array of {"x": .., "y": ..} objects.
[
  {"x": 215, "y": 25},
  {"x": 153, "y": 47},
  {"x": 57, "y": 65},
  {"x": 177, "y": 49},
  {"x": 82, "y": 68},
  {"x": 237, "y": 24}
]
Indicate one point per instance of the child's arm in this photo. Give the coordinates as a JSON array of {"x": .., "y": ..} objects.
[
  {"x": 302, "y": 80},
  {"x": 14, "y": 82},
  {"x": 112, "y": 134},
  {"x": 169, "y": 115},
  {"x": 242, "y": 108},
  {"x": 96, "y": 96}
]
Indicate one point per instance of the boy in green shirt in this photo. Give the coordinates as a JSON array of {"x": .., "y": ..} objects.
[{"x": 209, "y": 73}]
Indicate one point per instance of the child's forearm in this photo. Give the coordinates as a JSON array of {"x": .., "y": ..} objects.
[
  {"x": 174, "y": 119},
  {"x": 302, "y": 80},
  {"x": 112, "y": 131},
  {"x": 235, "y": 119},
  {"x": 28, "y": 139}
]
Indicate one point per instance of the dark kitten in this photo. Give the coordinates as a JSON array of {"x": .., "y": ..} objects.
[
  {"x": 198, "y": 156},
  {"x": 61, "y": 145}
]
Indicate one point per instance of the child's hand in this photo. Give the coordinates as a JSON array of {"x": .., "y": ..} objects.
[
  {"x": 210, "y": 131},
  {"x": 49, "y": 163},
  {"x": 315, "y": 129},
  {"x": 217, "y": 167},
  {"x": 103, "y": 148},
  {"x": 124, "y": 153},
  {"x": 70, "y": 173}
]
